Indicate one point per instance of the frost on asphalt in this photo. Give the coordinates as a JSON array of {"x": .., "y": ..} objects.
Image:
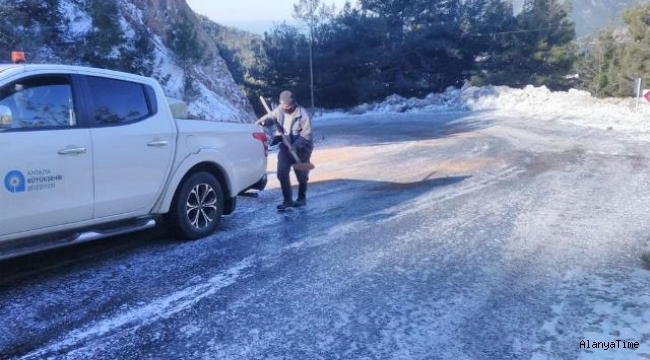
[{"x": 487, "y": 223}]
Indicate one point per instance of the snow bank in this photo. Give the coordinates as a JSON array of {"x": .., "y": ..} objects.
[
  {"x": 432, "y": 102},
  {"x": 575, "y": 106}
]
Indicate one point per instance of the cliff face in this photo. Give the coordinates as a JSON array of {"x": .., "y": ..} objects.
[
  {"x": 157, "y": 38},
  {"x": 215, "y": 94}
]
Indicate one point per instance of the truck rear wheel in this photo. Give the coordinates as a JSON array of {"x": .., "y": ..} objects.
[{"x": 197, "y": 206}]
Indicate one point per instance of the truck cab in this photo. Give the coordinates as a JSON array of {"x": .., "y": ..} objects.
[{"x": 89, "y": 153}]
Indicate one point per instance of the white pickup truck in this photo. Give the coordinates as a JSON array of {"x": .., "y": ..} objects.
[{"x": 88, "y": 153}]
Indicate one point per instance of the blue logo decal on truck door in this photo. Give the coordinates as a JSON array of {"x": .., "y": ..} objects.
[{"x": 15, "y": 181}]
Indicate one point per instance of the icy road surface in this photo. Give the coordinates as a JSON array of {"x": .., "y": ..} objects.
[{"x": 431, "y": 236}]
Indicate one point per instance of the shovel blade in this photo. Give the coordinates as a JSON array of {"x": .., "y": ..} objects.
[{"x": 303, "y": 166}]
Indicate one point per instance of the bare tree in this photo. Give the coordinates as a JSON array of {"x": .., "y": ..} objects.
[{"x": 312, "y": 13}]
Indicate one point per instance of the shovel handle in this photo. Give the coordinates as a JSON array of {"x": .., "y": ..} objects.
[{"x": 284, "y": 137}]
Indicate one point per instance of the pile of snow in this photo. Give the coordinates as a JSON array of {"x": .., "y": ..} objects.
[
  {"x": 433, "y": 102},
  {"x": 575, "y": 106}
]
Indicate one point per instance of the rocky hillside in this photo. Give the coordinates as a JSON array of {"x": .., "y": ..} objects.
[
  {"x": 216, "y": 90},
  {"x": 245, "y": 56},
  {"x": 158, "y": 38}
]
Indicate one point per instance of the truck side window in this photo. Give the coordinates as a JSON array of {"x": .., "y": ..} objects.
[
  {"x": 116, "y": 102},
  {"x": 38, "y": 102}
]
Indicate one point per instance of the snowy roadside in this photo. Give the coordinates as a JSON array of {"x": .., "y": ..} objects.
[
  {"x": 615, "y": 308},
  {"x": 609, "y": 306},
  {"x": 545, "y": 241},
  {"x": 573, "y": 106}
]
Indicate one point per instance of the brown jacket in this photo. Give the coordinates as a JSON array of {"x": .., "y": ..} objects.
[{"x": 297, "y": 125}]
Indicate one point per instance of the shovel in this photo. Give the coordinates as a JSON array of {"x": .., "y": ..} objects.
[{"x": 298, "y": 166}]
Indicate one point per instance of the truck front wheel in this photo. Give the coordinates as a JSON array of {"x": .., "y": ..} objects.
[{"x": 197, "y": 206}]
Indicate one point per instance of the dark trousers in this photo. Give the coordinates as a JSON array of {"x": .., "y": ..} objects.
[{"x": 285, "y": 160}]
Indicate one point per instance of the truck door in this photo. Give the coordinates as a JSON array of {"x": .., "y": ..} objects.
[
  {"x": 45, "y": 157},
  {"x": 133, "y": 146}
]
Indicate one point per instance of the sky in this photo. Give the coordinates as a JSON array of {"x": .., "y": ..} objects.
[{"x": 252, "y": 15}]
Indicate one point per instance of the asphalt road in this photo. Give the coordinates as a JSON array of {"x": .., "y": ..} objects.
[{"x": 431, "y": 236}]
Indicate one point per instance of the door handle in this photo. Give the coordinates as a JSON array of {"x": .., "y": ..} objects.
[
  {"x": 158, "y": 143},
  {"x": 72, "y": 151}
]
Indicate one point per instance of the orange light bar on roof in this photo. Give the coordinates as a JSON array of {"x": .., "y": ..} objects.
[{"x": 18, "y": 57}]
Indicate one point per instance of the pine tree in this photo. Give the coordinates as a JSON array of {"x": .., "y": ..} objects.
[
  {"x": 7, "y": 30},
  {"x": 34, "y": 26},
  {"x": 633, "y": 56},
  {"x": 440, "y": 48},
  {"x": 544, "y": 39},
  {"x": 138, "y": 53},
  {"x": 100, "y": 46},
  {"x": 183, "y": 40},
  {"x": 611, "y": 65},
  {"x": 396, "y": 15},
  {"x": 494, "y": 37},
  {"x": 598, "y": 64},
  {"x": 288, "y": 60},
  {"x": 351, "y": 60},
  {"x": 314, "y": 14}
]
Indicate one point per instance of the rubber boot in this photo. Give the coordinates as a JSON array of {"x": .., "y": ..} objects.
[
  {"x": 287, "y": 195},
  {"x": 302, "y": 195}
]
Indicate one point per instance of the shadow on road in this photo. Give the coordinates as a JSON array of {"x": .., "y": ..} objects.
[
  {"x": 146, "y": 266},
  {"x": 61, "y": 261},
  {"x": 365, "y": 197},
  {"x": 333, "y": 202},
  {"x": 336, "y": 203}
]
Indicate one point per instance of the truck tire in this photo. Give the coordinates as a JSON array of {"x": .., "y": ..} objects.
[{"x": 197, "y": 206}]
